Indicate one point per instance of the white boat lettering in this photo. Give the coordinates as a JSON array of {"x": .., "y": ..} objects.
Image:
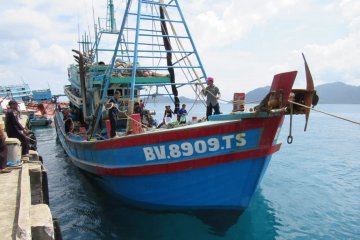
[
  {"x": 240, "y": 140},
  {"x": 228, "y": 141},
  {"x": 160, "y": 152},
  {"x": 186, "y": 149},
  {"x": 214, "y": 144}
]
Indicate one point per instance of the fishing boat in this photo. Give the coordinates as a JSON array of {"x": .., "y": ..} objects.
[
  {"x": 39, "y": 121},
  {"x": 17, "y": 91},
  {"x": 23, "y": 92},
  {"x": 42, "y": 95},
  {"x": 214, "y": 163},
  {"x": 43, "y": 108}
]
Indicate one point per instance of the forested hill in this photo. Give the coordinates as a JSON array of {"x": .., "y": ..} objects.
[{"x": 330, "y": 93}]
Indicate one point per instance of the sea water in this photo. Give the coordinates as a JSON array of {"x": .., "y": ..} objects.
[{"x": 311, "y": 190}]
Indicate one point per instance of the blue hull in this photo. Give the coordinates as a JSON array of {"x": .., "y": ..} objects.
[
  {"x": 206, "y": 180},
  {"x": 233, "y": 184}
]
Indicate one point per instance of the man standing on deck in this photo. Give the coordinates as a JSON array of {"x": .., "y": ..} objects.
[
  {"x": 213, "y": 94},
  {"x": 113, "y": 112},
  {"x": 14, "y": 129},
  {"x": 68, "y": 122}
]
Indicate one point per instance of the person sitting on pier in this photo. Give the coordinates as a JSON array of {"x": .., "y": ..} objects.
[
  {"x": 3, "y": 153},
  {"x": 14, "y": 129}
]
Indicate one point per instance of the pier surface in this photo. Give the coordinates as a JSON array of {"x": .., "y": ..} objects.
[
  {"x": 24, "y": 197},
  {"x": 24, "y": 210}
]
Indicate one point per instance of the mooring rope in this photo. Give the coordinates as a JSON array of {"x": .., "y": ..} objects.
[
  {"x": 231, "y": 101},
  {"x": 332, "y": 115}
]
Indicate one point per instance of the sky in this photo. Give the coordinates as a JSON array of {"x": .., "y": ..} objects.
[{"x": 242, "y": 44}]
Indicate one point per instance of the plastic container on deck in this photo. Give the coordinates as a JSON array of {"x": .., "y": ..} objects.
[
  {"x": 239, "y": 102},
  {"x": 194, "y": 119},
  {"x": 136, "y": 123}
]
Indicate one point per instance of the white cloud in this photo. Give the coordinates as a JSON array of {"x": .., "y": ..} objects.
[
  {"x": 241, "y": 43},
  {"x": 224, "y": 24}
]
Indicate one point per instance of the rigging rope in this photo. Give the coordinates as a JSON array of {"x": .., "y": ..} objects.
[
  {"x": 183, "y": 57},
  {"x": 168, "y": 47},
  {"x": 332, "y": 115}
]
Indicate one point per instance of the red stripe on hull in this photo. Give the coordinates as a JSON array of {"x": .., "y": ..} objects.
[
  {"x": 187, "y": 133},
  {"x": 270, "y": 132},
  {"x": 187, "y": 165}
]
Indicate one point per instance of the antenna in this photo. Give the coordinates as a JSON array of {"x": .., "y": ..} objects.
[
  {"x": 79, "y": 33},
  {"x": 110, "y": 18},
  {"x": 89, "y": 35}
]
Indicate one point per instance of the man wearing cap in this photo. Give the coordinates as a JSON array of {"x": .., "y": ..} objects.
[
  {"x": 14, "y": 129},
  {"x": 113, "y": 112},
  {"x": 213, "y": 94}
]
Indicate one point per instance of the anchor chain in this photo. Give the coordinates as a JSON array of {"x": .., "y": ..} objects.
[{"x": 290, "y": 137}]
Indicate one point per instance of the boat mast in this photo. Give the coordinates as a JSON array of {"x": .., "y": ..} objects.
[
  {"x": 144, "y": 26},
  {"x": 135, "y": 59},
  {"x": 110, "y": 18},
  {"x": 109, "y": 71}
]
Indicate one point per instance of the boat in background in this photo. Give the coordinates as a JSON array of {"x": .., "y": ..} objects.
[
  {"x": 38, "y": 105},
  {"x": 40, "y": 121},
  {"x": 18, "y": 92},
  {"x": 4, "y": 104},
  {"x": 42, "y": 95},
  {"x": 35, "y": 117},
  {"x": 204, "y": 164}
]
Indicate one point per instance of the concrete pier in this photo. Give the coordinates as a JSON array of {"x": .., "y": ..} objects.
[
  {"x": 24, "y": 197},
  {"x": 24, "y": 209}
]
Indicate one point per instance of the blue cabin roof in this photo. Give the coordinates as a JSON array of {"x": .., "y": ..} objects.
[{"x": 42, "y": 95}]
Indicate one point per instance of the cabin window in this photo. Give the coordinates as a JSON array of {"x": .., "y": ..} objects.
[{"x": 110, "y": 92}]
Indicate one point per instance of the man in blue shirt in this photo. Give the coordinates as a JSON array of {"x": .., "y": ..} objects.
[{"x": 181, "y": 114}]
